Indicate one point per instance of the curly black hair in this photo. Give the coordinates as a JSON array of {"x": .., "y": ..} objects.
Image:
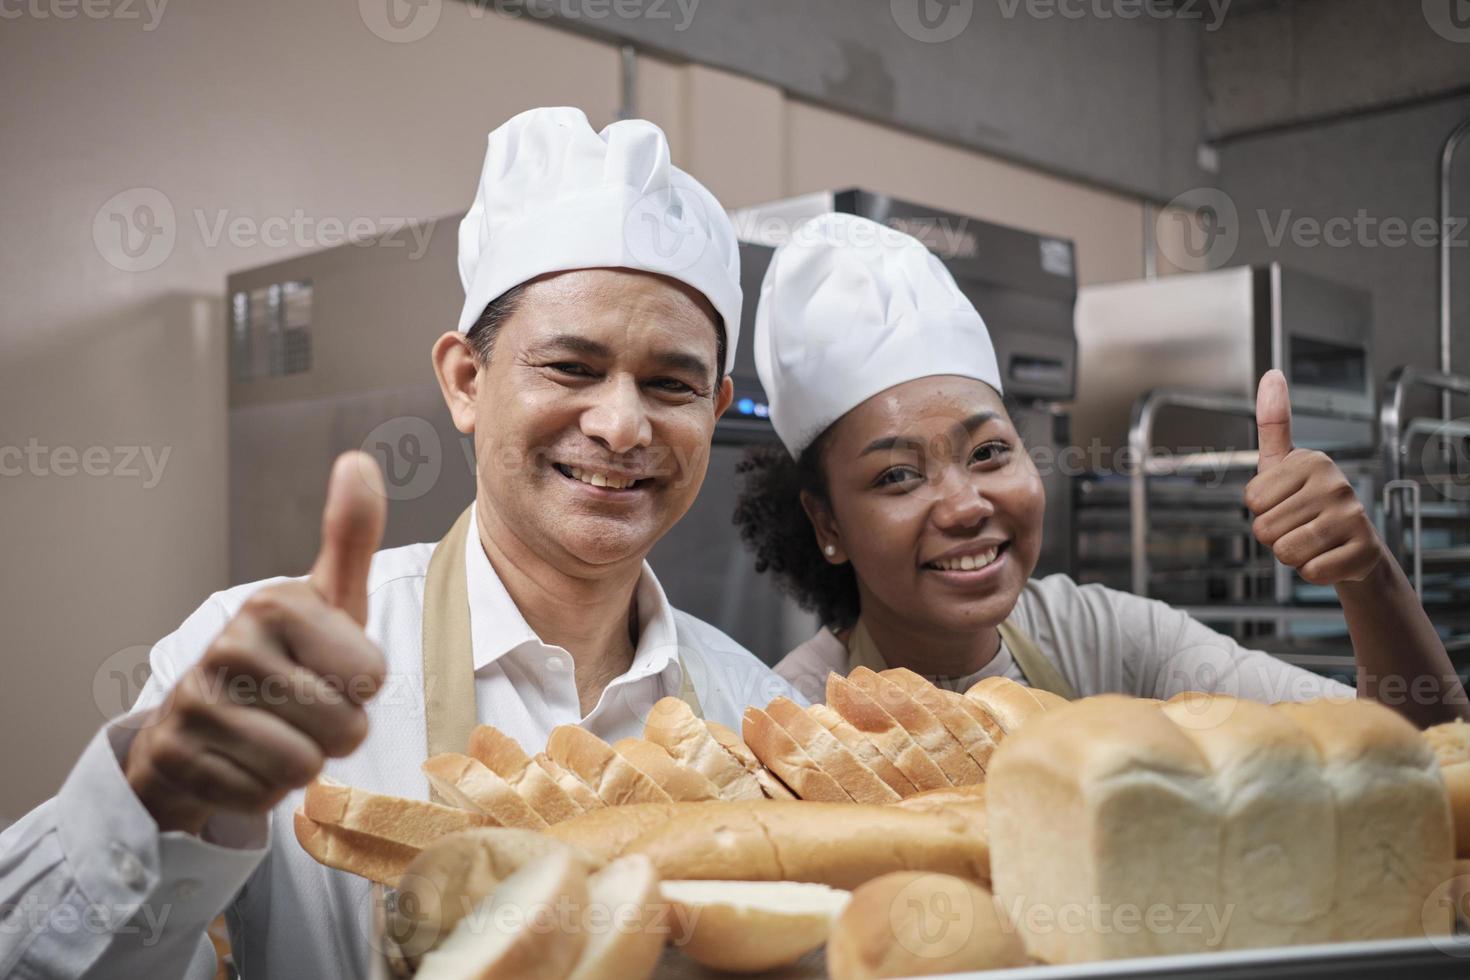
[{"x": 774, "y": 525}]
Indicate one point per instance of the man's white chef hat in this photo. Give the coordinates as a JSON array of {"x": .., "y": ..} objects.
[
  {"x": 555, "y": 195},
  {"x": 850, "y": 308}
]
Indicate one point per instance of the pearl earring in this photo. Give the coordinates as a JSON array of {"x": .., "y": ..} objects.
[{"x": 830, "y": 550}]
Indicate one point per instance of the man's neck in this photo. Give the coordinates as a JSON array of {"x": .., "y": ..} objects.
[
  {"x": 593, "y": 619},
  {"x": 926, "y": 651}
]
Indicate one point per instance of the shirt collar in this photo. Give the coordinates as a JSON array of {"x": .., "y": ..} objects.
[{"x": 497, "y": 626}]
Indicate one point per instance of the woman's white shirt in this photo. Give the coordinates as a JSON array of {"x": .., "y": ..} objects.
[{"x": 1105, "y": 641}]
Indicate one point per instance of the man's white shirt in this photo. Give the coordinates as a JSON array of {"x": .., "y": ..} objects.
[{"x": 90, "y": 888}]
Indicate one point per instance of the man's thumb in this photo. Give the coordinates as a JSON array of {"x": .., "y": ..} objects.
[
  {"x": 352, "y": 528},
  {"x": 1273, "y": 419}
]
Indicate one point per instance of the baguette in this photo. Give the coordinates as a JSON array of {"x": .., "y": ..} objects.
[
  {"x": 861, "y": 746},
  {"x": 504, "y": 756},
  {"x": 469, "y": 784},
  {"x": 784, "y": 755},
  {"x": 851, "y": 773},
  {"x": 368, "y": 857},
  {"x": 892, "y": 739},
  {"x": 580, "y": 793},
  {"x": 766, "y": 781},
  {"x": 680, "y": 782},
  {"x": 925, "y": 729},
  {"x": 674, "y": 726},
  {"x": 1011, "y": 704},
  {"x": 841, "y": 845},
  {"x": 606, "y": 833},
  {"x": 614, "y": 779},
  {"x": 412, "y": 823},
  {"x": 977, "y": 738},
  {"x": 938, "y": 799}
]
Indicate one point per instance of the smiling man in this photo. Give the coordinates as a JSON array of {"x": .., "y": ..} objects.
[{"x": 589, "y": 365}]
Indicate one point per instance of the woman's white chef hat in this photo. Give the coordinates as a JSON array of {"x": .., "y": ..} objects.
[
  {"x": 850, "y": 308},
  {"x": 555, "y": 195}
]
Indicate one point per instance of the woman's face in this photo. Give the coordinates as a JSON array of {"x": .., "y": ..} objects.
[{"x": 935, "y": 502}]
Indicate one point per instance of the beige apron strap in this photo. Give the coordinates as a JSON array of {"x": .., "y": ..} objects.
[
  {"x": 1039, "y": 672},
  {"x": 862, "y": 651},
  {"x": 449, "y": 672}
]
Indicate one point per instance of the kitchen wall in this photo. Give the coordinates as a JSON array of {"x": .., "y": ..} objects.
[{"x": 227, "y": 136}]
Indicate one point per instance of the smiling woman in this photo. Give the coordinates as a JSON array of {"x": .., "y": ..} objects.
[{"x": 906, "y": 511}]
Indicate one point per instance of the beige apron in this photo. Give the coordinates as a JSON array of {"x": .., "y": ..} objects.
[
  {"x": 1039, "y": 672},
  {"x": 449, "y": 665}
]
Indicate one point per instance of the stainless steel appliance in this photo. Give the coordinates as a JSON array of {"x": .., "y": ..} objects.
[{"x": 1023, "y": 284}]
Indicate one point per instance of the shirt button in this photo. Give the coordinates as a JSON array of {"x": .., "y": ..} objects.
[
  {"x": 128, "y": 867},
  {"x": 187, "y": 889}
]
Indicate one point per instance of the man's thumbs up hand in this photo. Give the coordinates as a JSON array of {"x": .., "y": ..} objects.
[
  {"x": 1306, "y": 510},
  {"x": 282, "y": 686}
]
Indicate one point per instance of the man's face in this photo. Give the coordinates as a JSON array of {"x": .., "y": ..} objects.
[{"x": 594, "y": 415}]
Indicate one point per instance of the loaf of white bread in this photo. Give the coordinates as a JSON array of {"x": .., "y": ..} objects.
[{"x": 1124, "y": 828}]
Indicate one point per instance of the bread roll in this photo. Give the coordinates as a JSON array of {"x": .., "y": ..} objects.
[
  {"x": 412, "y": 823},
  {"x": 851, "y": 773},
  {"x": 681, "y": 783},
  {"x": 915, "y": 923},
  {"x": 1396, "y": 839},
  {"x": 978, "y": 738},
  {"x": 504, "y": 756},
  {"x": 1098, "y": 810},
  {"x": 673, "y": 725},
  {"x": 450, "y": 878},
  {"x": 751, "y": 926},
  {"x": 1451, "y": 746},
  {"x": 972, "y": 795},
  {"x": 785, "y": 756},
  {"x": 837, "y": 844},
  {"x": 770, "y": 786},
  {"x": 577, "y": 791},
  {"x": 870, "y": 718},
  {"x": 862, "y": 747},
  {"x": 469, "y": 784},
  {"x": 614, "y": 779},
  {"x": 921, "y": 724},
  {"x": 1278, "y": 862},
  {"x": 369, "y": 857},
  {"x": 623, "y": 923},
  {"x": 516, "y": 931}
]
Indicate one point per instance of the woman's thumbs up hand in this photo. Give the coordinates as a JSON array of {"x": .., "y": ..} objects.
[{"x": 1306, "y": 510}]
